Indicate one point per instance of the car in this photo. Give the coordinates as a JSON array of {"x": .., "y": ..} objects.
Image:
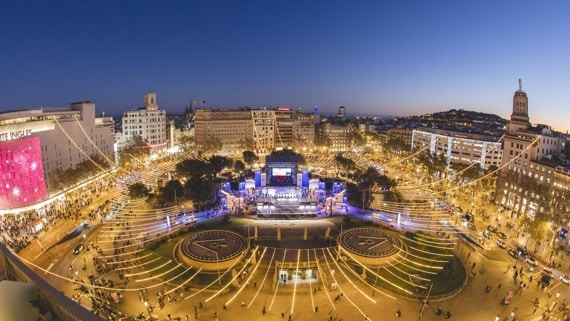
[
  {"x": 565, "y": 279},
  {"x": 487, "y": 235},
  {"x": 531, "y": 261},
  {"x": 546, "y": 272},
  {"x": 471, "y": 226},
  {"x": 512, "y": 253},
  {"x": 468, "y": 218},
  {"x": 502, "y": 244},
  {"x": 79, "y": 248},
  {"x": 502, "y": 235},
  {"x": 492, "y": 228},
  {"x": 546, "y": 279},
  {"x": 522, "y": 252}
]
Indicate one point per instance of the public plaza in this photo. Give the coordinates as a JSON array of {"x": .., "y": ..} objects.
[{"x": 288, "y": 252}]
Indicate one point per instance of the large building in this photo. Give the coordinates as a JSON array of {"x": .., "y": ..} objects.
[
  {"x": 233, "y": 129},
  {"x": 37, "y": 144},
  {"x": 534, "y": 173},
  {"x": 459, "y": 147},
  {"x": 147, "y": 122},
  {"x": 334, "y": 138},
  {"x": 258, "y": 130}
]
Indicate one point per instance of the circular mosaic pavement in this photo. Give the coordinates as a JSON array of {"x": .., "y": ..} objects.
[
  {"x": 369, "y": 245},
  {"x": 212, "y": 250}
]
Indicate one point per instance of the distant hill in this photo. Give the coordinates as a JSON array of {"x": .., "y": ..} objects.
[{"x": 458, "y": 120}]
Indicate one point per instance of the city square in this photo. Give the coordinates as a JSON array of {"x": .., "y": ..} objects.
[{"x": 295, "y": 161}]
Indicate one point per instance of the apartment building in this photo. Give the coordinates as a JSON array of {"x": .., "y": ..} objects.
[
  {"x": 147, "y": 122},
  {"x": 459, "y": 147},
  {"x": 258, "y": 130},
  {"x": 534, "y": 167}
]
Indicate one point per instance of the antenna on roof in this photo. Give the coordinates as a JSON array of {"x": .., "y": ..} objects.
[{"x": 520, "y": 84}]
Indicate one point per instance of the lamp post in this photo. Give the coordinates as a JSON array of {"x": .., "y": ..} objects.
[
  {"x": 424, "y": 304},
  {"x": 218, "y": 265}
]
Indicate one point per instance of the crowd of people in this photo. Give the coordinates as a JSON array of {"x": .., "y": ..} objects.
[{"x": 17, "y": 231}]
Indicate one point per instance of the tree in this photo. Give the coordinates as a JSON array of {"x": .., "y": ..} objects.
[
  {"x": 193, "y": 168},
  {"x": 135, "y": 150},
  {"x": 212, "y": 145},
  {"x": 172, "y": 189},
  {"x": 246, "y": 143},
  {"x": 138, "y": 190},
  {"x": 239, "y": 166},
  {"x": 357, "y": 138},
  {"x": 218, "y": 163},
  {"x": 186, "y": 142},
  {"x": 385, "y": 183},
  {"x": 397, "y": 145},
  {"x": 198, "y": 190},
  {"x": 539, "y": 229},
  {"x": 249, "y": 157},
  {"x": 344, "y": 163}
]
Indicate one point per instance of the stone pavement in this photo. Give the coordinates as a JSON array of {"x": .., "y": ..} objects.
[{"x": 356, "y": 301}]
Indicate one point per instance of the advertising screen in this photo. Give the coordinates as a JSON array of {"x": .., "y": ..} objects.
[
  {"x": 21, "y": 173},
  {"x": 281, "y": 171}
]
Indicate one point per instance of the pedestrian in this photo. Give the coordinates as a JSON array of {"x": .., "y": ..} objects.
[
  {"x": 169, "y": 318},
  {"x": 282, "y": 315},
  {"x": 499, "y": 286},
  {"x": 225, "y": 307},
  {"x": 316, "y": 308}
]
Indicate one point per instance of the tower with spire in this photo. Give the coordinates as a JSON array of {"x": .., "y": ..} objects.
[{"x": 519, "y": 116}]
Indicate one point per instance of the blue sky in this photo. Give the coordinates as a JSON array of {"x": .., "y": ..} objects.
[{"x": 374, "y": 57}]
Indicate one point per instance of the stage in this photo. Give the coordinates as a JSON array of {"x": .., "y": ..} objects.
[{"x": 287, "y": 203}]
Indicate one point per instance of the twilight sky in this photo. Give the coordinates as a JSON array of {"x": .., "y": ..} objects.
[{"x": 374, "y": 57}]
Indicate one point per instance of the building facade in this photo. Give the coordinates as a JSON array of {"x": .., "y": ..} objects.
[
  {"x": 534, "y": 170},
  {"x": 258, "y": 130},
  {"x": 334, "y": 138},
  {"x": 148, "y": 122},
  {"x": 37, "y": 144},
  {"x": 459, "y": 147}
]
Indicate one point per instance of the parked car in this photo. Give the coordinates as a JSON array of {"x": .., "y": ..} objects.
[
  {"x": 546, "y": 272},
  {"x": 546, "y": 279},
  {"x": 502, "y": 235},
  {"x": 522, "y": 252},
  {"x": 471, "y": 226},
  {"x": 531, "y": 261},
  {"x": 501, "y": 244},
  {"x": 565, "y": 279},
  {"x": 512, "y": 253},
  {"x": 492, "y": 228},
  {"x": 79, "y": 248}
]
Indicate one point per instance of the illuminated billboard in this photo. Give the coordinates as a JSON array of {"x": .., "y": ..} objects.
[{"x": 21, "y": 173}]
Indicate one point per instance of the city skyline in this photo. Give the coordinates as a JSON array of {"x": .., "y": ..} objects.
[{"x": 396, "y": 58}]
